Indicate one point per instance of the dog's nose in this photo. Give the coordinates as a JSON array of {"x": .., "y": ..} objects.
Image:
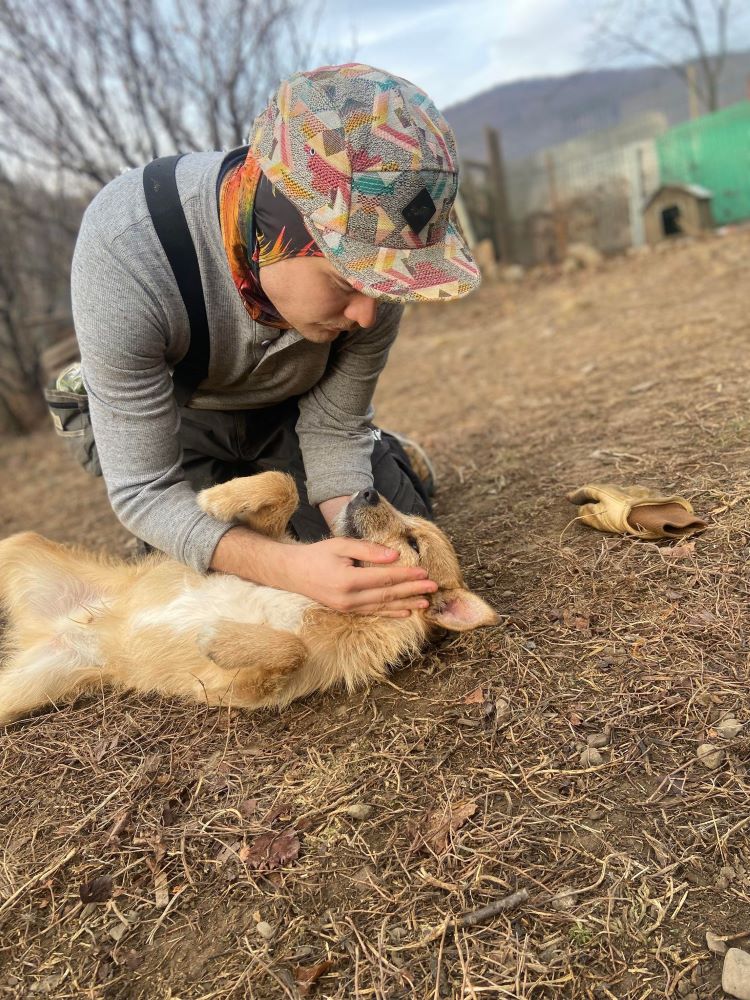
[{"x": 371, "y": 497}]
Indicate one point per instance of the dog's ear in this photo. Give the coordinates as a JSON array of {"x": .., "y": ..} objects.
[{"x": 460, "y": 610}]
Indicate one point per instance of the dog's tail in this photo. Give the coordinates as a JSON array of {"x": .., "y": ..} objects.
[{"x": 50, "y": 648}]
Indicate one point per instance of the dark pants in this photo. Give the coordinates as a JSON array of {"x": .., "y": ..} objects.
[{"x": 221, "y": 445}]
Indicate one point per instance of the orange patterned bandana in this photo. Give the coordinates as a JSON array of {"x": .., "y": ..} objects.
[{"x": 259, "y": 226}]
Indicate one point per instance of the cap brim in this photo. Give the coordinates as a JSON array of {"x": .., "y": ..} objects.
[{"x": 437, "y": 273}]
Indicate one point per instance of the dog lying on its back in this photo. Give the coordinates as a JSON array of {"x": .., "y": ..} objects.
[{"x": 77, "y": 620}]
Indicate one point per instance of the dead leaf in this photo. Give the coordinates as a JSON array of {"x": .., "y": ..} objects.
[
  {"x": 671, "y": 785},
  {"x": 161, "y": 889},
  {"x": 227, "y": 852},
  {"x": 98, "y": 890},
  {"x": 170, "y": 812},
  {"x": 271, "y": 850},
  {"x": 278, "y": 809},
  {"x": 120, "y": 825},
  {"x": 306, "y": 976},
  {"x": 132, "y": 960},
  {"x": 575, "y": 620},
  {"x": 682, "y": 551},
  {"x": 705, "y": 616},
  {"x": 248, "y": 808},
  {"x": 157, "y": 845},
  {"x": 476, "y": 697},
  {"x": 441, "y": 824},
  {"x": 716, "y": 943},
  {"x": 104, "y": 747}
]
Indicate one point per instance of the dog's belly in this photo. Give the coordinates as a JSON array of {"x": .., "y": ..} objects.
[{"x": 199, "y": 608}]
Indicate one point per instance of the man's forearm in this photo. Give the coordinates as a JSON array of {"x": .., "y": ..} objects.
[
  {"x": 251, "y": 556},
  {"x": 254, "y": 557},
  {"x": 330, "y": 508}
]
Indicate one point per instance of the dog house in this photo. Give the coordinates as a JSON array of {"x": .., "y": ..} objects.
[{"x": 677, "y": 210}]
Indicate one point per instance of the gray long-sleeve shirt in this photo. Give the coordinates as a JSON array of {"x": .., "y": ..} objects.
[{"x": 133, "y": 329}]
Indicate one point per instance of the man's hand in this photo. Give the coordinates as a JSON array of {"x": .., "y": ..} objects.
[{"x": 325, "y": 572}]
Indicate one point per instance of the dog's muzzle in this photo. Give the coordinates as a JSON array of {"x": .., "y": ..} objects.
[
  {"x": 359, "y": 502},
  {"x": 365, "y": 498}
]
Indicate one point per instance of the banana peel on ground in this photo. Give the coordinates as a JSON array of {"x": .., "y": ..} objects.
[{"x": 635, "y": 510}]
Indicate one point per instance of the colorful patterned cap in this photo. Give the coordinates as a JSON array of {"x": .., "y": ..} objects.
[{"x": 371, "y": 164}]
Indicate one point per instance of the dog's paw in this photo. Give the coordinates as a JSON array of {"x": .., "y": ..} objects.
[{"x": 265, "y": 502}]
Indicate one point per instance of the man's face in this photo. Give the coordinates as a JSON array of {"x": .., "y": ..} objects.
[{"x": 315, "y": 300}]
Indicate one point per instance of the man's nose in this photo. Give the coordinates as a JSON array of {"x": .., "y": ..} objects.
[{"x": 362, "y": 310}]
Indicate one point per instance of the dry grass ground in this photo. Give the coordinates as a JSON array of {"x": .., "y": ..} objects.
[{"x": 244, "y": 856}]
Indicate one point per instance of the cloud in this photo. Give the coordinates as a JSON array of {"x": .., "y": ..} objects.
[{"x": 460, "y": 47}]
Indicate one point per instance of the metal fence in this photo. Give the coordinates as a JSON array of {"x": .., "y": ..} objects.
[
  {"x": 713, "y": 152},
  {"x": 590, "y": 190}
]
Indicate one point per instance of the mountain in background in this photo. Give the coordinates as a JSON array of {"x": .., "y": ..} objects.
[{"x": 534, "y": 114}]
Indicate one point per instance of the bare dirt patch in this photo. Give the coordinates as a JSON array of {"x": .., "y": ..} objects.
[{"x": 152, "y": 850}]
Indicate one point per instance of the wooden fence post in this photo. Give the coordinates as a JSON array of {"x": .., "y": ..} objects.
[
  {"x": 559, "y": 221},
  {"x": 501, "y": 222}
]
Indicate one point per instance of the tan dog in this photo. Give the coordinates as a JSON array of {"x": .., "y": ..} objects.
[{"x": 77, "y": 620}]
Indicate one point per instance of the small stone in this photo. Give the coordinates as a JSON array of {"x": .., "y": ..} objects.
[
  {"x": 710, "y": 756},
  {"x": 584, "y": 255},
  {"x": 729, "y": 728},
  {"x": 564, "y": 899},
  {"x": 117, "y": 931},
  {"x": 735, "y": 976},
  {"x": 715, "y": 943},
  {"x": 304, "y": 951},
  {"x": 265, "y": 930},
  {"x": 549, "y": 954},
  {"x": 502, "y": 709},
  {"x": 358, "y": 810},
  {"x": 727, "y": 875},
  {"x": 600, "y": 740},
  {"x": 591, "y": 757}
]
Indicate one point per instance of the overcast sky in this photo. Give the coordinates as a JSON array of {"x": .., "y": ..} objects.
[{"x": 456, "y": 48}]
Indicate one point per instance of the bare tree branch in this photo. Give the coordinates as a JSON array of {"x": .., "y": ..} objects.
[
  {"x": 91, "y": 87},
  {"x": 672, "y": 33},
  {"x": 95, "y": 86}
]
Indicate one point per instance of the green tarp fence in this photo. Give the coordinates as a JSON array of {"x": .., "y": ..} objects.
[{"x": 714, "y": 152}]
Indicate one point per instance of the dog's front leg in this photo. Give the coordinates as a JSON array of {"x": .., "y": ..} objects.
[{"x": 264, "y": 502}]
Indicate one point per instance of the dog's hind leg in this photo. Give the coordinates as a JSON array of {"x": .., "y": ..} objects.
[
  {"x": 42, "y": 578},
  {"x": 50, "y": 595},
  {"x": 41, "y": 676},
  {"x": 264, "y": 502}
]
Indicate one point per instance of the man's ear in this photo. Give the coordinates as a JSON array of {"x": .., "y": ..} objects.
[{"x": 460, "y": 610}]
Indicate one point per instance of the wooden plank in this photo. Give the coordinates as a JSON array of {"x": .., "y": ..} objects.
[{"x": 502, "y": 224}]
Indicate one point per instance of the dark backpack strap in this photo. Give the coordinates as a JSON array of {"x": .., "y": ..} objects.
[{"x": 163, "y": 202}]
